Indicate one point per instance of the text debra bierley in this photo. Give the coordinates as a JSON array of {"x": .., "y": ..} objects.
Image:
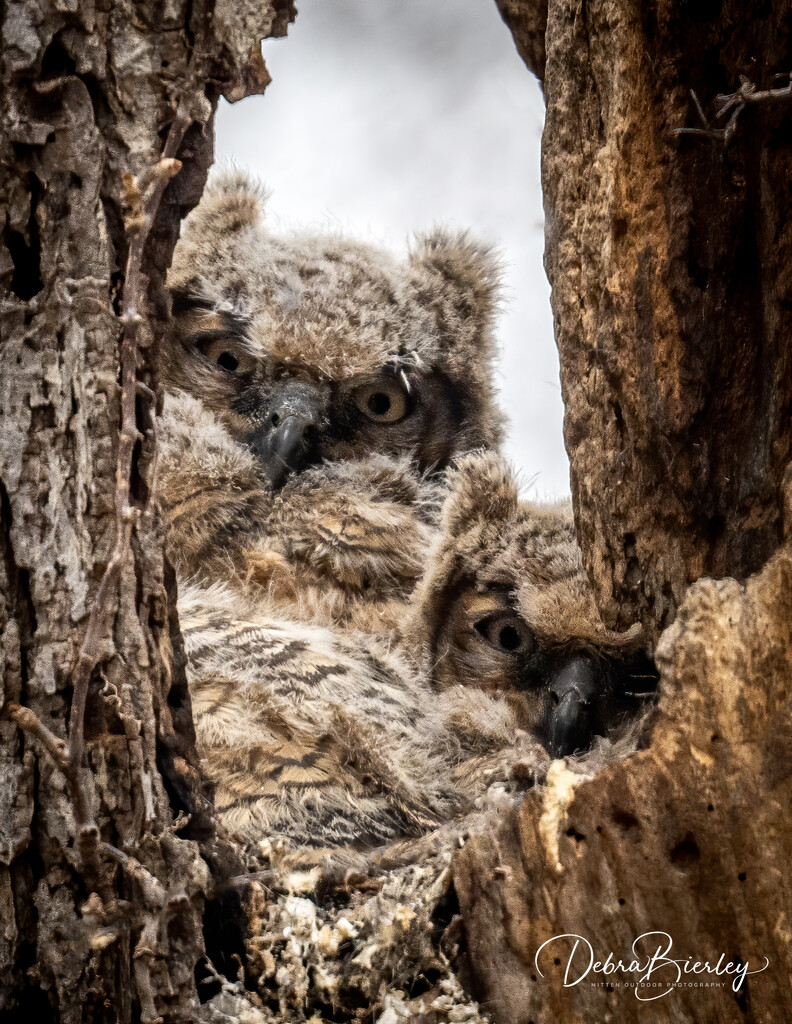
[{"x": 657, "y": 969}]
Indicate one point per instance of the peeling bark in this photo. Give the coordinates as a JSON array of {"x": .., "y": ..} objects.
[
  {"x": 101, "y": 885},
  {"x": 527, "y": 22}
]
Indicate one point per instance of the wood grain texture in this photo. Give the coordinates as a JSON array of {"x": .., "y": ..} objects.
[
  {"x": 668, "y": 258},
  {"x": 89, "y": 92}
]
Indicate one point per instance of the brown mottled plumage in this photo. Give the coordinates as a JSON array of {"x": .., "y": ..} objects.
[
  {"x": 341, "y": 542},
  {"x": 506, "y": 606},
  {"x": 311, "y": 736},
  {"x": 315, "y": 385},
  {"x": 445, "y": 736},
  {"x": 327, "y": 738}
]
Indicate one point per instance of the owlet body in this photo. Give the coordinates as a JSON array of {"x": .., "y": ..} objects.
[{"x": 319, "y": 738}]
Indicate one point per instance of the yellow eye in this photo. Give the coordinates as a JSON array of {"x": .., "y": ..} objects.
[
  {"x": 383, "y": 402},
  {"x": 228, "y": 354},
  {"x": 506, "y": 632}
]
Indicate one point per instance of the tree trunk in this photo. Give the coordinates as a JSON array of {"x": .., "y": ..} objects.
[
  {"x": 668, "y": 255},
  {"x": 101, "y": 885}
]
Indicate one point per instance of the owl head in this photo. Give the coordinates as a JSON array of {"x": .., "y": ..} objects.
[
  {"x": 506, "y": 605},
  {"x": 313, "y": 347}
]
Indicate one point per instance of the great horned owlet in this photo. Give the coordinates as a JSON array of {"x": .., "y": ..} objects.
[
  {"x": 333, "y": 382},
  {"x": 505, "y": 605}
]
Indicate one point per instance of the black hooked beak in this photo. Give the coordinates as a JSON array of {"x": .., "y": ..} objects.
[
  {"x": 287, "y": 437},
  {"x": 575, "y": 694}
]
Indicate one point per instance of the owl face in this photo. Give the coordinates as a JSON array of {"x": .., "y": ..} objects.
[
  {"x": 313, "y": 348},
  {"x": 291, "y": 415},
  {"x": 507, "y": 607},
  {"x": 565, "y": 692}
]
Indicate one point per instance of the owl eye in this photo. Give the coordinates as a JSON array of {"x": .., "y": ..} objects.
[
  {"x": 506, "y": 633},
  {"x": 383, "y": 402},
  {"x": 227, "y": 353}
]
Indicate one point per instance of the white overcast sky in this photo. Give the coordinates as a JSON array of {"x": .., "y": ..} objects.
[{"x": 386, "y": 116}]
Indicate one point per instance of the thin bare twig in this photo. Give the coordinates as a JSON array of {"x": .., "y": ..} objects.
[
  {"x": 237, "y": 987},
  {"x": 143, "y": 205},
  {"x": 87, "y": 832},
  {"x": 153, "y": 891},
  {"x": 143, "y": 210},
  {"x": 735, "y": 102},
  {"x": 29, "y": 721}
]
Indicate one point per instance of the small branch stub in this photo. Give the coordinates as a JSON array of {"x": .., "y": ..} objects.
[{"x": 736, "y": 102}]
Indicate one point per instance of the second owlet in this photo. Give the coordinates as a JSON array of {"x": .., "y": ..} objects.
[{"x": 330, "y": 383}]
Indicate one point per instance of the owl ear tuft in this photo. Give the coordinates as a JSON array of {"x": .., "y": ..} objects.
[
  {"x": 482, "y": 492},
  {"x": 232, "y": 201},
  {"x": 463, "y": 275},
  {"x": 456, "y": 279},
  {"x": 476, "y": 518}
]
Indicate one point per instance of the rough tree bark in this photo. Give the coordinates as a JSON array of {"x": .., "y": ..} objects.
[
  {"x": 101, "y": 884},
  {"x": 669, "y": 259}
]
